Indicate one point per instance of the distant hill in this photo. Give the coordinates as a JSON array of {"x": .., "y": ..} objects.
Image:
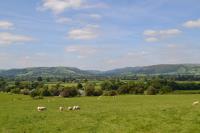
[
  {"x": 182, "y": 69},
  {"x": 47, "y": 72}
]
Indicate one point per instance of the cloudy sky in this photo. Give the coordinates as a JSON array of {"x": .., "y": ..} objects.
[{"x": 98, "y": 34}]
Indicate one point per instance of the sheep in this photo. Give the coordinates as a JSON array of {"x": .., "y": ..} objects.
[
  {"x": 61, "y": 108},
  {"x": 41, "y": 108},
  {"x": 195, "y": 103},
  {"x": 69, "y": 108},
  {"x": 76, "y": 108}
]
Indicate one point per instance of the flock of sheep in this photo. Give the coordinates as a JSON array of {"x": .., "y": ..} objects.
[{"x": 39, "y": 108}]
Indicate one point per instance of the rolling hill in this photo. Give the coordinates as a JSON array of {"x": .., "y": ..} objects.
[{"x": 182, "y": 69}]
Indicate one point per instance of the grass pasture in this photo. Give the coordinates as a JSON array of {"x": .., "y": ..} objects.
[{"x": 123, "y": 114}]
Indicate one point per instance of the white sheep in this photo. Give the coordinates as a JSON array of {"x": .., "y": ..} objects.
[
  {"x": 195, "y": 103},
  {"x": 69, "y": 108},
  {"x": 61, "y": 108},
  {"x": 41, "y": 108},
  {"x": 76, "y": 108}
]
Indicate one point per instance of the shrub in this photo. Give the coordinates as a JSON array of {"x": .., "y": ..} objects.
[
  {"x": 33, "y": 93},
  {"x": 123, "y": 89},
  {"x": 151, "y": 91},
  {"x": 54, "y": 91},
  {"x": 44, "y": 91},
  {"x": 79, "y": 86},
  {"x": 89, "y": 89},
  {"x": 97, "y": 92},
  {"x": 165, "y": 89},
  {"x": 106, "y": 85},
  {"x": 139, "y": 90},
  {"x": 15, "y": 91},
  {"x": 69, "y": 92},
  {"x": 25, "y": 91}
]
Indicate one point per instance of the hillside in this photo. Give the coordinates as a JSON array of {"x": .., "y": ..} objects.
[
  {"x": 46, "y": 72},
  {"x": 192, "y": 69}
]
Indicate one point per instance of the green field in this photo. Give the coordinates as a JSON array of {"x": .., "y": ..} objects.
[{"x": 123, "y": 114}]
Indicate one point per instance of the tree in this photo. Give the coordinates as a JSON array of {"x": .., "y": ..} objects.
[
  {"x": 89, "y": 89},
  {"x": 165, "y": 89},
  {"x": 151, "y": 91},
  {"x": 79, "y": 86},
  {"x": 124, "y": 89},
  {"x": 44, "y": 91},
  {"x": 106, "y": 85},
  {"x": 3, "y": 85},
  {"x": 69, "y": 92},
  {"x": 97, "y": 92},
  {"x": 39, "y": 79}
]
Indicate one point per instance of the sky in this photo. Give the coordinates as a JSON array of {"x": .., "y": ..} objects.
[{"x": 98, "y": 34}]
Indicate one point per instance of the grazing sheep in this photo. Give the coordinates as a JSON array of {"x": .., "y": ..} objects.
[
  {"x": 69, "y": 108},
  {"x": 76, "y": 108},
  {"x": 41, "y": 108},
  {"x": 61, "y": 108},
  {"x": 195, "y": 103}
]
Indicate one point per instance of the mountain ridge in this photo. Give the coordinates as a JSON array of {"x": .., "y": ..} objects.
[{"x": 160, "y": 69}]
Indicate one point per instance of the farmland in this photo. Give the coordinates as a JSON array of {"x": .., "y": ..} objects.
[{"x": 125, "y": 113}]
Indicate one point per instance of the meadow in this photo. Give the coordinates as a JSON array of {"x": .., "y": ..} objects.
[{"x": 122, "y": 114}]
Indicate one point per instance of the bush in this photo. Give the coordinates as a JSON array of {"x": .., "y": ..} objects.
[
  {"x": 79, "y": 86},
  {"x": 89, "y": 89},
  {"x": 44, "y": 91},
  {"x": 106, "y": 85},
  {"x": 151, "y": 91},
  {"x": 69, "y": 92},
  {"x": 123, "y": 89},
  {"x": 54, "y": 91},
  {"x": 165, "y": 89},
  {"x": 97, "y": 92},
  {"x": 15, "y": 91},
  {"x": 34, "y": 93},
  {"x": 25, "y": 91}
]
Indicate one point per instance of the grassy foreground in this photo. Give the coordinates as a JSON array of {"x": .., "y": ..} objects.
[{"x": 123, "y": 114}]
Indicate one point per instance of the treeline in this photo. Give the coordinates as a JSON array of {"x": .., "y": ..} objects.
[
  {"x": 109, "y": 87},
  {"x": 104, "y": 77}
]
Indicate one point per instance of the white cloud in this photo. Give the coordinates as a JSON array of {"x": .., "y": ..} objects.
[
  {"x": 151, "y": 39},
  {"x": 95, "y": 16},
  {"x": 6, "y": 25},
  {"x": 168, "y": 32},
  {"x": 157, "y": 35},
  {"x": 59, "y": 6},
  {"x": 82, "y": 50},
  {"x": 150, "y": 33},
  {"x": 192, "y": 24},
  {"x": 87, "y": 33},
  {"x": 9, "y": 38},
  {"x": 64, "y": 20}
]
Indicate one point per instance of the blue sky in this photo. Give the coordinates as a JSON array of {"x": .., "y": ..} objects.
[{"x": 98, "y": 34}]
